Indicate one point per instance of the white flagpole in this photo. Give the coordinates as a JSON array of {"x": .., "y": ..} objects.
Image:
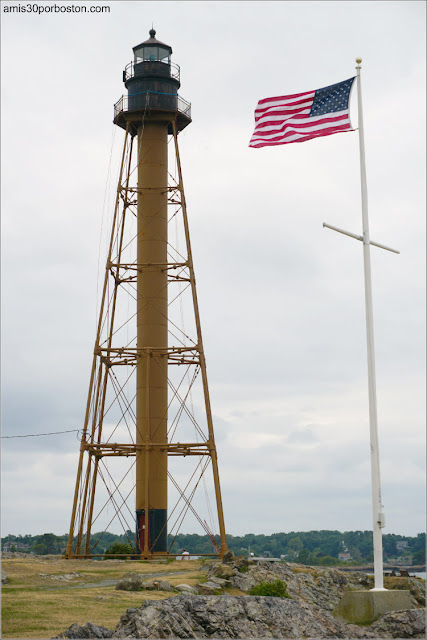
[{"x": 378, "y": 517}]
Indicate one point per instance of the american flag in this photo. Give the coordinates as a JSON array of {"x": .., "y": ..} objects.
[{"x": 302, "y": 116}]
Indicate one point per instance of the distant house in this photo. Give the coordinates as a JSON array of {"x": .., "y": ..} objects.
[
  {"x": 19, "y": 546},
  {"x": 344, "y": 556},
  {"x": 402, "y": 545}
]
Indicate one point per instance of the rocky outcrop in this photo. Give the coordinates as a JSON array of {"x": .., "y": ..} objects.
[
  {"x": 88, "y": 630},
  {"x": 321, "y": 587},
  {"x": 223, "y": 617},
  {"x": 204, "y": 617},
  {"x": 417, "y": 589},
  {"x": 307, "y": 613},
  {"x": 401, "y": 624}
]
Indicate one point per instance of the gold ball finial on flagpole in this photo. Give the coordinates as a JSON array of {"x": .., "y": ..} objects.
[{"x": 358, "y": 60}]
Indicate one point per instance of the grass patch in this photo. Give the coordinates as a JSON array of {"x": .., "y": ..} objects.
[
  {"x": 31, "y": 609},
  {"x": 309, "y": 570},
  {"x": 391, "y": 582},
  {"x": 30, "y": 615},
  {"x": 233, "y": 591},
  {"x": 189, "y": 578},
  {"x": 26, "y": 573}
]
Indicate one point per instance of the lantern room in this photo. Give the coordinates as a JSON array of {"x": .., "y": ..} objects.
[
  {"x": 152, "y": 82},
  {"x": 152, "y": 50}
]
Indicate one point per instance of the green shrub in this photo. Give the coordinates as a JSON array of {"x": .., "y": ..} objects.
[
  {"x": 119, "y": 549},
  {"x": 276, "y": 588}
]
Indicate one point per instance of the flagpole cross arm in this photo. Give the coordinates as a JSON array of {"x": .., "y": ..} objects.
[{"x": 356, "y": 237}]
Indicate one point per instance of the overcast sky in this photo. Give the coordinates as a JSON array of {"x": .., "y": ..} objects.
[{"x": 281, "y": 298}]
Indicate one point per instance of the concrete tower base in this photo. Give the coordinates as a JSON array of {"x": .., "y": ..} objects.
[{"x": 366, "y": 606}]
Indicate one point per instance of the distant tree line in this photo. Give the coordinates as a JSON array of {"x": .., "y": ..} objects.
[
  {"x": 305, "y": 547},
  {"x": 313, "y": 547},
  {"x": 49, "y": 543}
]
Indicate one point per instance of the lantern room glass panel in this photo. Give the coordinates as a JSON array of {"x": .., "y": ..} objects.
[{"x": 150, "y": 53}]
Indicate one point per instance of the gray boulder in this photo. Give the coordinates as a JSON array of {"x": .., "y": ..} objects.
[
  {"x": 221, "y": 571},
  {"x": 186, "y": 588},
  {"x": 221, "y": 582},
  {"x": 208, "y": 588},
  {"x": 401, "y": 624},
  {"x": 228, "y": 557},
  {"x": 88, "y": 630},
  {"x": 130, "y": 582},
  {"x": 157, "y": 585},
  {"x": 150, "y": 585}
]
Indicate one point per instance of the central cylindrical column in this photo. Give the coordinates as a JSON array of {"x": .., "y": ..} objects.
[{"x": 152, "y": 336}]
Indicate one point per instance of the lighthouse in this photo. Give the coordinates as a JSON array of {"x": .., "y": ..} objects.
[
  {"x": 152, "y": 113},
  {"x": 152, "y": 82}
]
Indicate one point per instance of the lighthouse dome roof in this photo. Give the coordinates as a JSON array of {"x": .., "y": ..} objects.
[{"x": 152, "y": 42}]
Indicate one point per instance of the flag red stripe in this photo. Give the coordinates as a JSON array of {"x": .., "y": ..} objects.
[
  {"x": 285, "y": 107},
  {"x": 286, "y": 98},
  {"x": 298, "y": 123},
  {"x": 291, "y": 132},
  {"x": 300, "y": 137},
  {"x": 285, "y": 113}
]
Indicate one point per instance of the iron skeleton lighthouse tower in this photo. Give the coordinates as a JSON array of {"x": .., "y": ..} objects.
[{"x": 152, "y": 114}]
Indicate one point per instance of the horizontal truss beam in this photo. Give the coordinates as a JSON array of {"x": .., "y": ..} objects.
[
  {"x": 137, "y": 266},
  {"x": 132, "y": 361},
  {"x": 126, "y": 449},
  {"x": 114, "y": 356},
  {"x": 156, "y": 351},
  {"x": 164, "y": 189}
]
